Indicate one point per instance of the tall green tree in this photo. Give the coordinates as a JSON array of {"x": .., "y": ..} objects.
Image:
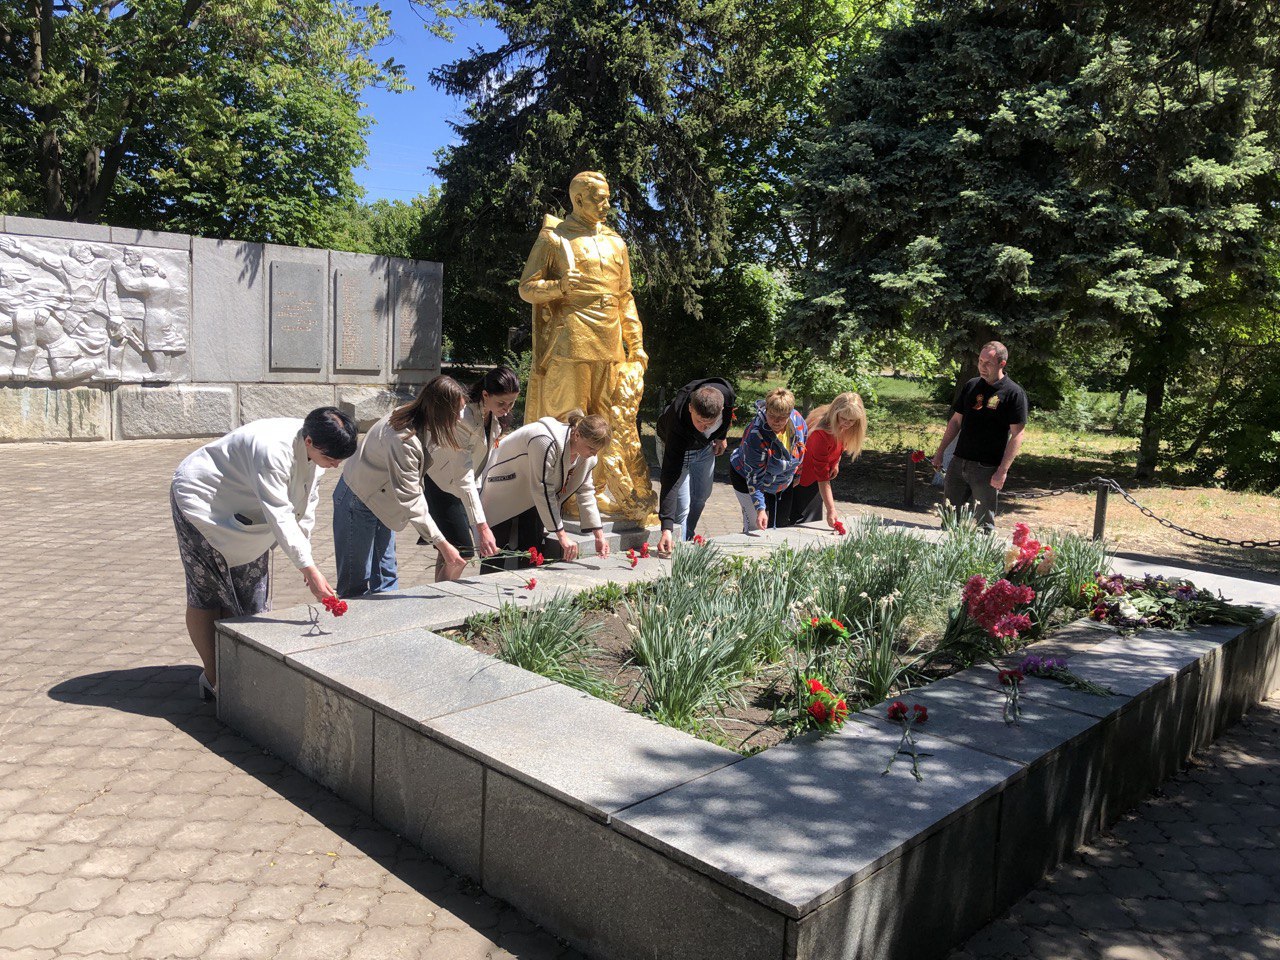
[
  {"x": 229, "y": 117},
  {"x": 1043, "y": 170},
  {"x": 676, "y": 102}
]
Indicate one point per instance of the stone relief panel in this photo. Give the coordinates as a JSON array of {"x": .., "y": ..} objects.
[{"x": 72, "y": 311}]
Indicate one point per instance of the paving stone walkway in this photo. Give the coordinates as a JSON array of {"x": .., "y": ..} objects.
[{"x": 133, "y": 824}]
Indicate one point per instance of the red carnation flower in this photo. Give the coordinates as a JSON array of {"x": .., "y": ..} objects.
[
  {"x": 841, "y": 710},
  {"x": 1010, "y": 678},
  {"x": 535, "y": 557},
  {"x": 631, "y": 555},
  {"x": 838, "y": 527},
  {"x": 917, "y": 456},
  {"x": 818, "y": 710},
  {"x": 837, "y": 624},
  {"x": 815, "y": 686},
  {"x": 644, "y": 549},
  {"x": 531, "y": 584},
  {"x": 897, "y": 710},
  {"x": 921, "y": 712},
  {"x": 334, "y": 605},
  {"x": 699, "y": 540},
  {"x": 813, "y": 622}
]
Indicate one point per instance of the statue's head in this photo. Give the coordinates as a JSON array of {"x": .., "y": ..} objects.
[
  {"x": 149, "y": 267},
  {"x": 131, "y": 257},
  {"x": 589, "y": 192},
  {"x": 82, "y": 252}
]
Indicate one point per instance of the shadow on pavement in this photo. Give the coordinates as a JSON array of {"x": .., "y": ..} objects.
[{"x": 170, "y": 692}]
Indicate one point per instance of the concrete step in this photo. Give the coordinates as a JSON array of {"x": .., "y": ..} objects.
[{"x": 623, "y": 534}]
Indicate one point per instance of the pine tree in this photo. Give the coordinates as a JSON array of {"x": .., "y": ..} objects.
[{"x": 1043, "y": 170}]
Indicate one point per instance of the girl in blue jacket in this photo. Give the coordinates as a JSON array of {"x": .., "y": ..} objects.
[{"x": 768, "y": 459}]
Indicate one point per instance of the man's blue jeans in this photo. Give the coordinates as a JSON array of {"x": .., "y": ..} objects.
[
  {"x": 693, "y": 489},
  {"x": 364, "y": 548}
]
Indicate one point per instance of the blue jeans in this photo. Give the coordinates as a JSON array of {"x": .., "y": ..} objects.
[
  {"x": 693, "y": 489},
  {"x": 364, "y": 548}
]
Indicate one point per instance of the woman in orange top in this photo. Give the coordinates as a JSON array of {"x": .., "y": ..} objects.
[{"x": 835, "y": 428}]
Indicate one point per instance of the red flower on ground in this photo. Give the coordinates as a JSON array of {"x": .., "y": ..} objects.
[
  {"x": 818, "y": 710},
  {"x": 815, "y": 685},
  {"x": 813, "y": 622},
  {"x": 1011, "y": 678},
  {"x": 921, "y": 712},
  {"x": 841, "y": 710},
  {"x": 334, "y": 606},
  {"x": 917, "y": 456},
  {"x": 535, "y": 557},
  {"x": 699, "y": 539},
  {"x": 837, "y": 624},
  {"x": 838, "y": 527},
  {"x": 897, "y": 710},
  {"x": 644, "y": 549},
  {"x": 531, "y": 584},
  {"x": 631, "y": 556}
]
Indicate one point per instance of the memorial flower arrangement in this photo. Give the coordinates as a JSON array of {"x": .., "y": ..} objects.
[
  {"x": 822, "y": 707},
  {"x": 1027, "y": 556},
  {"x": 907, "y": 718},
  {"x": 1011, "y": 684},
  {"x": 1055, "y": 668},
  {"x": 987, "y": 622},
  {"x": 1170, "y": 603},
  {"x": 334, "y": 605}
]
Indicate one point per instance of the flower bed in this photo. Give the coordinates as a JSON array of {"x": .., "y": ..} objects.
[
  {"x": 634, "y": 840},
  {"x": 729, "y": 648}
]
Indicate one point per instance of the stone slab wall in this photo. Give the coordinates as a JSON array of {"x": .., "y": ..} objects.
[
  {"x": 633, "y": 841},
  {"x": 114, "y": 334}
]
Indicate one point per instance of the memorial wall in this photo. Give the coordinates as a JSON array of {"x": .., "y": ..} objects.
[{"x": 114, "y": 334}]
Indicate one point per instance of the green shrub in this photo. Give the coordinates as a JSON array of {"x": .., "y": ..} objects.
[{"x": 553, "y": 641}]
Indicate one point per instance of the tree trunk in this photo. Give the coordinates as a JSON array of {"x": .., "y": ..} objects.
[
  {"x": 50, "y": 157},
  {"x": 1149, "y": 445}
]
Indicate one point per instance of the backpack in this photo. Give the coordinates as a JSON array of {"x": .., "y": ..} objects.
[{"x": 670, "y": 415}]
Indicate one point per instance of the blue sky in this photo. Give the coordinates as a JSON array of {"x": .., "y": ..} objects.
[{"x": 411, "y": 126}]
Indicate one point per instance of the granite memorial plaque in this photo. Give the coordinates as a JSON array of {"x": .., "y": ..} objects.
[
  {"x": 417, "y": 311},
  {"x": 359, "y": 304},
  {"x": 297, "y": 316}
]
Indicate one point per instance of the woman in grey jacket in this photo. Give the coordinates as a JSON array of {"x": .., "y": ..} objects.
[
  {"x": 452, "y": 484},
  {"x": 380, "y": 491},
  {"x": 534, "y": 472}
]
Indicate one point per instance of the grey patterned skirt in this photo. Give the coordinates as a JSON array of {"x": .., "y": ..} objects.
[{"x": 211, "y": 583}]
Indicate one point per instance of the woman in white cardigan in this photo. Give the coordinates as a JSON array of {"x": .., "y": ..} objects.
[
  {"x": 235, "y": 499},
  {"x": 380, "y": 491},
  {"x": 534, "y": 472},
  {"x": 452, "y": 484}
]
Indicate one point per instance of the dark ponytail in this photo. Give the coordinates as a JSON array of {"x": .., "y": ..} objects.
[{"x": 499, "y": 380}]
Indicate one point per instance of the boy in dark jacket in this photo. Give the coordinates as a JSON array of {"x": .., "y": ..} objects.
[{"x": 693, "y": 429}]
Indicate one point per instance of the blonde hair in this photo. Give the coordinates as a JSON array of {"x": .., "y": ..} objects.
[
  {"x": 779, "y": 402},
  {"x": 594, "y": 430},
  {"x": 845, "y": 419}
]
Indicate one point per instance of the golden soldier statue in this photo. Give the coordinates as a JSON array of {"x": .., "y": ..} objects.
[{"x": 585, "y": 328}]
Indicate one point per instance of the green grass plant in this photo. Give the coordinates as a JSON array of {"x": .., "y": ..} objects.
[{"x": 553, "y": 641}]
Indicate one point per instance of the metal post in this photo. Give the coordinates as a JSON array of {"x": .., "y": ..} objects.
[
  {"x": 910, "y": 493},
  {"x": 1100, "y": 511}
]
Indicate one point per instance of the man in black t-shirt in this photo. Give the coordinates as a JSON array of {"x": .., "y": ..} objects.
[
  {"x": 693, "y": 429},
  {"x": 989, "y": 415}
]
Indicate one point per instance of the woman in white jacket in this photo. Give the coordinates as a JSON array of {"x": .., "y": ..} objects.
[
  {"x": 380, "y": 491},
  {"x": 452, "y": 484},
  {"x": 235, "y": 499},
  {"x": 534, "y": 472}
]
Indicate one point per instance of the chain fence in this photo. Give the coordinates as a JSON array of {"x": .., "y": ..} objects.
[{"x": 1106, "y": 483}]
